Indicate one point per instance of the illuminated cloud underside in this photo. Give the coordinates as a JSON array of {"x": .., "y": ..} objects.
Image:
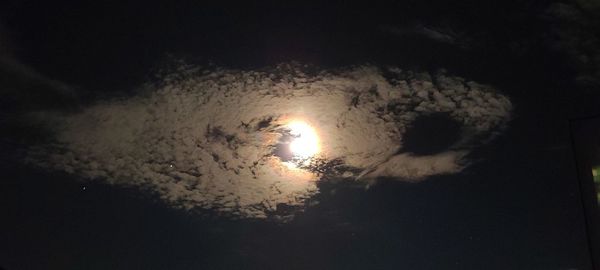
[{"x": 204, "y": 139}]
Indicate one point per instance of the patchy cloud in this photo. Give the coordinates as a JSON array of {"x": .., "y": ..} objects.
[{"x": 207, "y": 138}]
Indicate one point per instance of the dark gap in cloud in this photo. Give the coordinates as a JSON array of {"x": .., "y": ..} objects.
[
  {"x": 430, "y": 134},
  {"x": 264, "y": 123}
]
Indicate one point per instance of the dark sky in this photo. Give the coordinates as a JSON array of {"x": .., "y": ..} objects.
[{"x": 518, "y": 207}]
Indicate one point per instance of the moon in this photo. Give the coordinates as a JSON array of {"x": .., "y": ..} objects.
[{"x": 306, "y": 142}]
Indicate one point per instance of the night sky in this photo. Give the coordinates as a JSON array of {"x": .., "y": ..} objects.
[{"x": 512, "y": 202}]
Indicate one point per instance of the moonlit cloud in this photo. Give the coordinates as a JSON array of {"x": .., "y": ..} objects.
[{"x": 207, "y": 139}]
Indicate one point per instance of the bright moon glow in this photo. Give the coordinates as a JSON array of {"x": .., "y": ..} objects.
[{"x": 306, "y": 142}]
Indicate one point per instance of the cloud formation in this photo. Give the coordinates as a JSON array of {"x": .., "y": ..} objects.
[{"x": 207, "y": 138}]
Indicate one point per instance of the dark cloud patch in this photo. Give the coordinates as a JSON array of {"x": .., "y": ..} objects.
[{"x": 430, "y": 134}]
